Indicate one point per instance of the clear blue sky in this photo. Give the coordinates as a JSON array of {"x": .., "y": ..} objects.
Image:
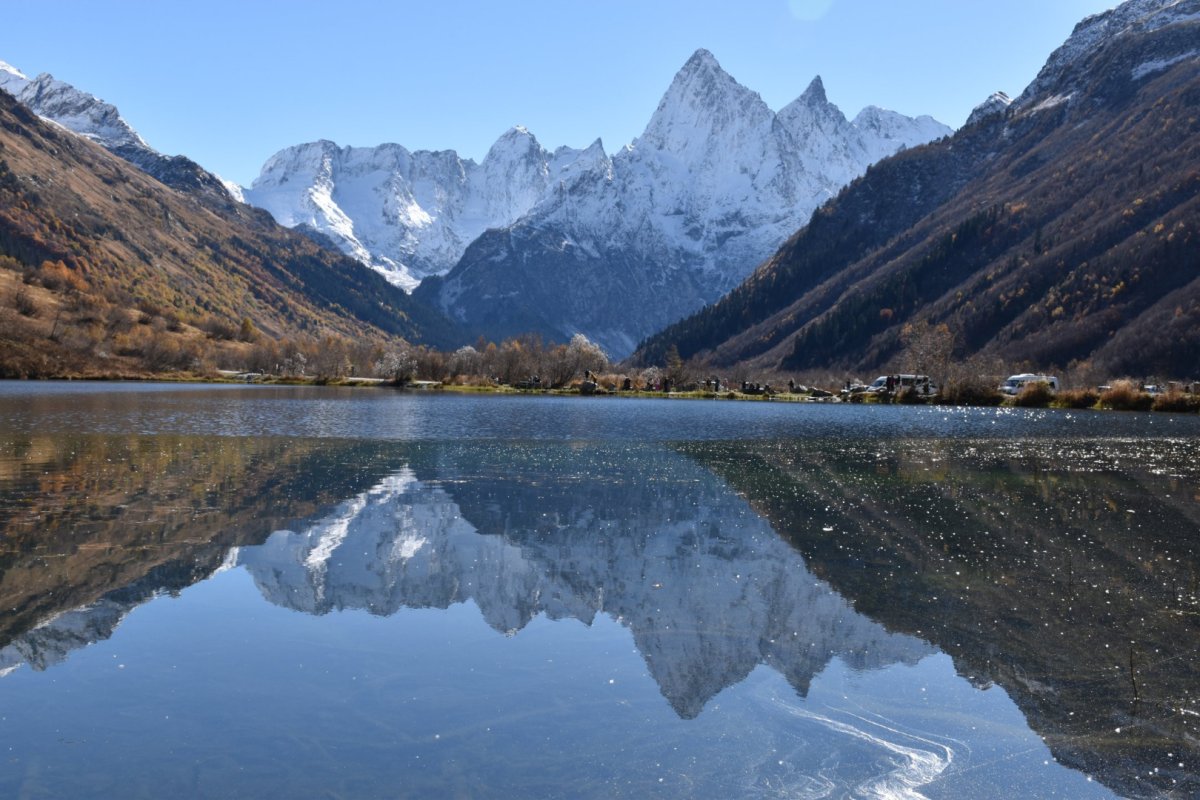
[{"x": 229, "y": 82}]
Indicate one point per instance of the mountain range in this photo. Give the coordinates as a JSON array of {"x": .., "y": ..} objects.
[
  {"x": 567, "y": 241},
  {"x": 611, "y": 246},
  {"x": 1057, "y": 229}
]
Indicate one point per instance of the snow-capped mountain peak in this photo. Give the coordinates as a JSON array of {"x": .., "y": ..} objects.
[
  {"x": 409, "y": 214},
  {"x": 702, "y": 104},
  {"x": 7, "y": 73},
  {"x": 77, "y": 111},
  {"x": 812, "y": 115},
  {"x": 814, "y": 95},
  {"x": 714, "y": 184},
  {"x": 702, "y": 59},
  {"x": 997, "y": 103},
  {"x": 516, "y": 141},
  {"x": 101, "y": 122},
  {"x": 701, "y": 67}
]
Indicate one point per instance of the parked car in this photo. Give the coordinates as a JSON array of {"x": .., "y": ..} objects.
[{"x": 1016, "y": 383}]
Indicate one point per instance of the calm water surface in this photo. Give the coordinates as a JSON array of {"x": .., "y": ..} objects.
[{"x": 279, "y": 592}]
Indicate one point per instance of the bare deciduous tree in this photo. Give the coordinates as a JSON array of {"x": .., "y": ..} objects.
[{"x": 397, "y": 365}]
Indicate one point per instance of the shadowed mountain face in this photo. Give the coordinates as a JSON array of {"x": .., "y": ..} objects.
[
  {"x": 1064, "y": 572},
  {"x": 1052, "y": 569}
]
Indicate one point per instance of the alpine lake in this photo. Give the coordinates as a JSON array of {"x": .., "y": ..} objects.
[{"x": 277, "y": 592}]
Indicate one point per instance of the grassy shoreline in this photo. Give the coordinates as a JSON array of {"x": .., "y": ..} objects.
[{"x": 1125, "y": 401}]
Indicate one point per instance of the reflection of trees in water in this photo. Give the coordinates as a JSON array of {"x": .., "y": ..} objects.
[
  {"x": 91, "y": 526},
  {"x": 1051, "y": 568}
]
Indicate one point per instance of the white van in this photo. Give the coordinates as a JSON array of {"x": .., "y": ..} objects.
[{"x": 1016, "y": 383}]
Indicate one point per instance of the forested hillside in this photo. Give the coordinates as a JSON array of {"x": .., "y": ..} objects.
[
  {"x": 105, "y": 269},
  {"x": 1060, "y": 231}
]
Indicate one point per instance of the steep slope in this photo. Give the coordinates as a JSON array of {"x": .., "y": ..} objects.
[
  {"x": 629, "y": 243},
  {"x": 101, "y": 122},
  {"x": 1061, "y": 228},
  {"x": 115, "y": 238}
]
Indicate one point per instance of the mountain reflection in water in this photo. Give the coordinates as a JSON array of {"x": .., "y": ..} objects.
[
  {"x": 707, "y": 588},
  {"x": 1063, "y": 576}
]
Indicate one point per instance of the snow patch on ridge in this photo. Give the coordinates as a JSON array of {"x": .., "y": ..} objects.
[
  {"x": 1158, "y": 65},
  {"x": 235, "y": 191},
  {"x": 997, "y": 103},
  {"x": 1051, "y": 102}
]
